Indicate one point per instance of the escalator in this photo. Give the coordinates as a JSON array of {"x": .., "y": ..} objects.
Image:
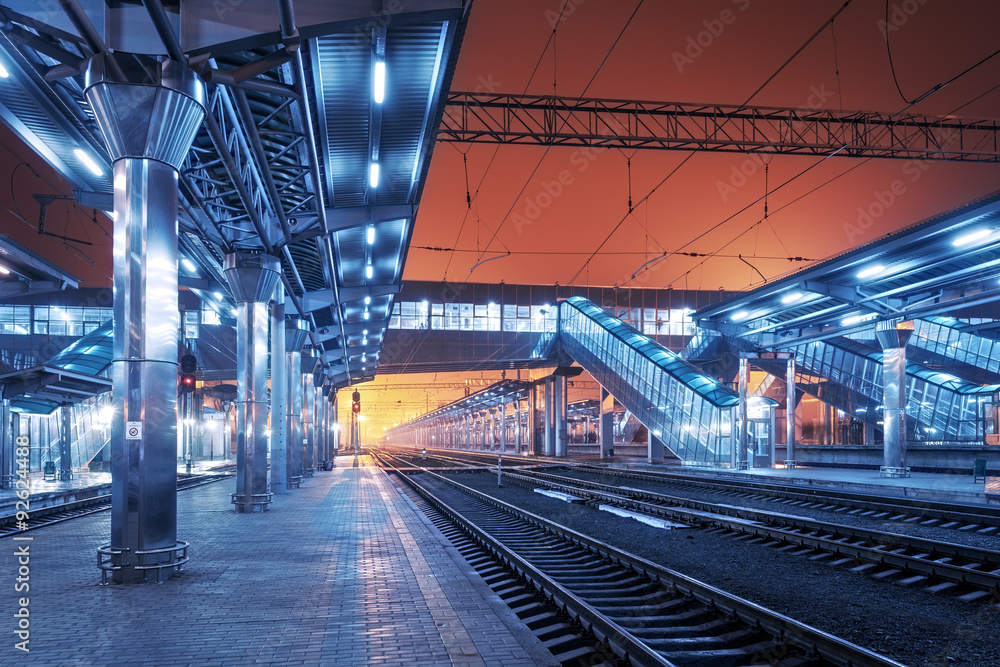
[{"x": 689, "y": 411}]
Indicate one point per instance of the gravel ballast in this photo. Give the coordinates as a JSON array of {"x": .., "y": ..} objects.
[{"x": 909, "y": 625}]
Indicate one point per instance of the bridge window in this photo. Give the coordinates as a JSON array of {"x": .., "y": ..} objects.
[{"x": 54, "y": 320}]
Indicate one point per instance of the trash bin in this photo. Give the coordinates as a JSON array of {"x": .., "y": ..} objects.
[{"x": 978, "y": 471}]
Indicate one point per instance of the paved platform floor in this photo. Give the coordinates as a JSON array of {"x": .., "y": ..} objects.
[{"x": 343, "y": 571}]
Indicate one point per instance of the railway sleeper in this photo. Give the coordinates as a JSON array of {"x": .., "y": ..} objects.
[
  {"x": 711, "y": 628},
  {"x": 630, "y": 580},
  {"x": 689, "y": 614},
  {"x": 616, "y": 574},
  {"x": 764, "y": 652},
  {"x": 641, "y": 590},
  {"x": 739, "y": 635}
]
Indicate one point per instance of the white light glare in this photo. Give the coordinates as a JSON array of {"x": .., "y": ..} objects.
[
  {"x": 740, "y": 316},
  {"x": 366, "y": 314},
  {"x": 855, "y": 319},
  {"x": 3, "y": 72},
  {"x": 791, "y": 298},
  {"x": 369, "y": 271},
  {"x": 871, "y": 271},
  {"x": 88, "y": 162},
  {"x": 971, "y": 237},
  {"x": 4, "y": 270},
  {"x": 371, "y": 234},
  {"x": 217, "y": 295},
  {"x": 368, "y": 300},
  {"x": 378, "y": 91},
  {"x": 189, "y": 265},
  {"x": 373, "y": 175},
  {"x": 235, "y": 312}
]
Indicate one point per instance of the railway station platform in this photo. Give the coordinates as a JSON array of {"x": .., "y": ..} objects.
[
  {"x": 940, "y": 487},
  {"x": 84, "y": 484},
  {"x": 342, "y": 571}
]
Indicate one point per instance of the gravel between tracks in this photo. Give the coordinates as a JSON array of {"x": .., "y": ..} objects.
[
  {"x": 971, "y": 539},
  {"x": 909, "y": 625}
]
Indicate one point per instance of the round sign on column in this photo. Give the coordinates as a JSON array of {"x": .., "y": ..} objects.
[{"x": 133, "y": 430}]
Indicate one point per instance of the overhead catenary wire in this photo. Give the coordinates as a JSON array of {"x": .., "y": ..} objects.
[
  {"x": 564, "y": 121},
  {"x": 691, "y": 154},
  {"x": 844, "y": 173},
  {"x": 934, "y": 89},
  {"x": 496, "y": 149}
]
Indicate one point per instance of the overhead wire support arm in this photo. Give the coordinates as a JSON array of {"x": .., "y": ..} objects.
[{"x": 543, "y": 120}]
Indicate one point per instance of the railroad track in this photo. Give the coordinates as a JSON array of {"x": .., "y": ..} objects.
[
  {"x": 968, "y": 573},
  {"x": 979, "y": 518},
  {"x": 47, "y": 516},
  {"x": 590, "y": 602}
]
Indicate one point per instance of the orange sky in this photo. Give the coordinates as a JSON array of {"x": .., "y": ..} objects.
[
  {"x": 932, "y": 41},
  {"x": 650, "y": 62}
]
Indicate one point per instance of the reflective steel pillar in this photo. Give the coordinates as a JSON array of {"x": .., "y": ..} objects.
[
  {"x": 561, "y": 427},
  {"x": 8, "y": 453},
  {"x": 252, "y": 277},
  {"x": 607, "y": 429},
  {"x": 334, "y": 423},
  {"x": 148, "y": 112},
  {"x": 655, "y": 449},
  {"x": 744, "y": 425},
  {"x": 893, "y": 336},
  {"x": 308, "y": 411},
  {"x": 322, "y": 426},
  {"x": 296, "y": 332},
  {"x": 279, "y": 393},
  {"x": 66, "y": 442},
  {"x": 550, "y": 445},
  {"x": 790, "y": 413},
  {"x": 517, "y": 425},
  {"x": 533, "y": 419},
  {"x": 503, "y": 428}
]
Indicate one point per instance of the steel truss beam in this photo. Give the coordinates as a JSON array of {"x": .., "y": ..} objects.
[{"x": 546, "y": 120}]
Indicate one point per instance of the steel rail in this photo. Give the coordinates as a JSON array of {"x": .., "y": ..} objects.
[
  {"x": 947, "y": 512},
  {"x": 785, "y": 630},
  {"x": 926, "y": 557}
]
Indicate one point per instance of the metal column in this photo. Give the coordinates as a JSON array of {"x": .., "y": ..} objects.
[
  {"x": 66, "y": 442},
  {"x": 334, "y": 423},
  {"x": 532, "y": 419},
  {"x": 561, "y": 405},
  {"x": 744, "y": 425},
  {"x": 550, "y": 445},
  {"x": 8, "y": 453},
  {"x": 893, "y": 337},
  {"x": 252, "y": 277},
  {"x": 517, "y": 425},
  {"x": 308, "y": 411},
  {"x": 607, "y": 427},
  {"x": 296, "y": 332},
  {"x": 147, "y": 124},
  {"x": 279, "y": 394},
  {"x": 790, "y": 413},
  {"x": 503, "y": 428}
]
